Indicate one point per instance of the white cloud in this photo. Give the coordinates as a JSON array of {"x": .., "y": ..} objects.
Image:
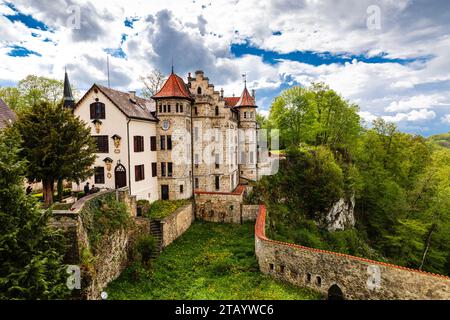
[
  {"x": 199, "y": 34},
  {"x": 416, "y": 102},
  {"x": 413, "y": 116},
  {"x": 446, "y": 118}
]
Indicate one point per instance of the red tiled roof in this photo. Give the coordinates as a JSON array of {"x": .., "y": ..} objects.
[
  {"x": 246, "y": 100},
  {"x": 231, "y": 101},
  {"x": 174, "y": 87}
]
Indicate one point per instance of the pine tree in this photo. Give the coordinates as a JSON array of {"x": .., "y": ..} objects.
[
  {"x": 31, "y": 252},
  {"x": 56, "y": 144}
]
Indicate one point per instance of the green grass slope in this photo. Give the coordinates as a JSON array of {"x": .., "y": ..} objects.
[
  {"x": 442, "y": 140},
  {"x": 209, "y": 262}
]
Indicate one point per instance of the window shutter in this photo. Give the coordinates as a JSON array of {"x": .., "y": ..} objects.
[
  {"x": 169, "y": 169},
  {"x": 154, "y": 169},
  {"x": 169, "y": 142},
  {"x": 92, "y": 106},
  {"x": 153, "y": 143}
]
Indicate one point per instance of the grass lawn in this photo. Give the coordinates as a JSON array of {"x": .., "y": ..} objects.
[{"x": 209, "y": 262}]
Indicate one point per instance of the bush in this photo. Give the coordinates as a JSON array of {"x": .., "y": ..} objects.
[
  {"x": 80, "y": 195},
  {"x": 146, "y": 246},
  {"x": 103, "y": 216}
]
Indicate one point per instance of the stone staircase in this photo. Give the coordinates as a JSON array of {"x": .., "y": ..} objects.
[{"x": 155, "y": 230}]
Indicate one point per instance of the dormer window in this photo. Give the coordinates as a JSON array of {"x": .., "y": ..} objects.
[
  {"x": 199, "y": 90},
  {"x": 97, "y": 110}
]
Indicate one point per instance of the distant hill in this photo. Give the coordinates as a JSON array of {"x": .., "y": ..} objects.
[{"x": 442, "y": 140}]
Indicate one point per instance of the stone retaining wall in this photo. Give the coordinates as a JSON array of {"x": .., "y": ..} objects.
[
  {"x": 220, "y": 206},
  {"x": 176, "y": 224},
  {"x": 111, "y": 256},
  {"x": 337, "y": 275}
]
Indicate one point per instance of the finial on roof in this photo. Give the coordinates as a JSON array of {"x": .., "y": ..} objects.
[
  {"x": 172, "y": 64},
  {"x": 245, "y": 79}
]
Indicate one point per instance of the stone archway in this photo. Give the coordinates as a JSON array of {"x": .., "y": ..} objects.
[{"x": 335, "y": 293}]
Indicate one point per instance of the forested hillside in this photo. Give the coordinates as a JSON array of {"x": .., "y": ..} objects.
[{"x": 400, "y": 183}]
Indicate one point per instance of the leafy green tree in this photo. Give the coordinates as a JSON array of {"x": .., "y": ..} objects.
[
  {"x": 56, "y": 144},
  {"x": 13, "y": 98},
  {"x": 31, "y": 252},
  {"x": 294, "y": 113},
  {"x": 316, "y": 116},
  {"x": 33, "y": 90}
]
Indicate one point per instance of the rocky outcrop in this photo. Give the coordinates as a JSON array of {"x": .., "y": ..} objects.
[{"x": 341, "y": 215}]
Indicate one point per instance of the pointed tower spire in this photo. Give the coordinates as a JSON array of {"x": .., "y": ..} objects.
[{"x": 69, "y": 101}]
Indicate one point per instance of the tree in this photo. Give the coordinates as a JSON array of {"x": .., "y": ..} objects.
[
  {"x": 31, "y": 252},
  {"x": 56, "y": 144},
  {"x": 317, "y": 116},
  {"x": 152, "y": 82},
  {"x": 294, "y": 113},
  {"x": 34, "y": 89},
  {"x": 13, "y": 98}
]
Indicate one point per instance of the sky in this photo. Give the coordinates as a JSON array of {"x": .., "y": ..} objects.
[{"x": 390, "y": 57}]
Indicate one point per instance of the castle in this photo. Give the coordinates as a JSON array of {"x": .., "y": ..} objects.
[{"x": 188, "y": 139}]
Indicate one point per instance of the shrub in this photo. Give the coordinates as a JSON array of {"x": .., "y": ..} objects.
[
  {"x": 103, "y": 216},
  {"x": 145, "y": 247},
  {"x": 80, "y": 195}
]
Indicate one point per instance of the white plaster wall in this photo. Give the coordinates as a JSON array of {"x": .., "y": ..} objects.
[
  {"x": 147, "y": 188},
  {"x": 115, "y": 122}
]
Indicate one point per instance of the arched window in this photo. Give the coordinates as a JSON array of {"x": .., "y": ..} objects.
[
  {"x": 199, "y": 90},
  {"x": 217, "y": 110},
  {"x": 181, "y": 108},
  {"x": 318, "y": 281},
  {"x": 97, "y": 110},
  {"x": 176, "y": 107},
  {"x": 245, "y": 115}
]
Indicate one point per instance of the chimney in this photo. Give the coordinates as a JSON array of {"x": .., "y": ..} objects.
[
  {"x": 253, "y": 93},
  {"x": 132, "y": 96},
  {"x": 221, "y": 93}
]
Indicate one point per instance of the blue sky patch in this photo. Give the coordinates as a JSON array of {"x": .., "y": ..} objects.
[
  {"x": 315, "y": 58},
  {"x": 27, "y": 20},
  {"x": 116, "y": 52},
  {"x": 18, "y": 51},
  {"x": 130, "y": 21}
]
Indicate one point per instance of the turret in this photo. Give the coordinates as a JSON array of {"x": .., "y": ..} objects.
[{"x": 69, "y": 101}]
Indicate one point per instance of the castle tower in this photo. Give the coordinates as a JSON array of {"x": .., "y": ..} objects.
[
  {"x": 247, "y": 135},
  {"x": 173, "y": 139},
  {"x": 69, "y": 101},
  {"x": 215, "y": 138}
]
